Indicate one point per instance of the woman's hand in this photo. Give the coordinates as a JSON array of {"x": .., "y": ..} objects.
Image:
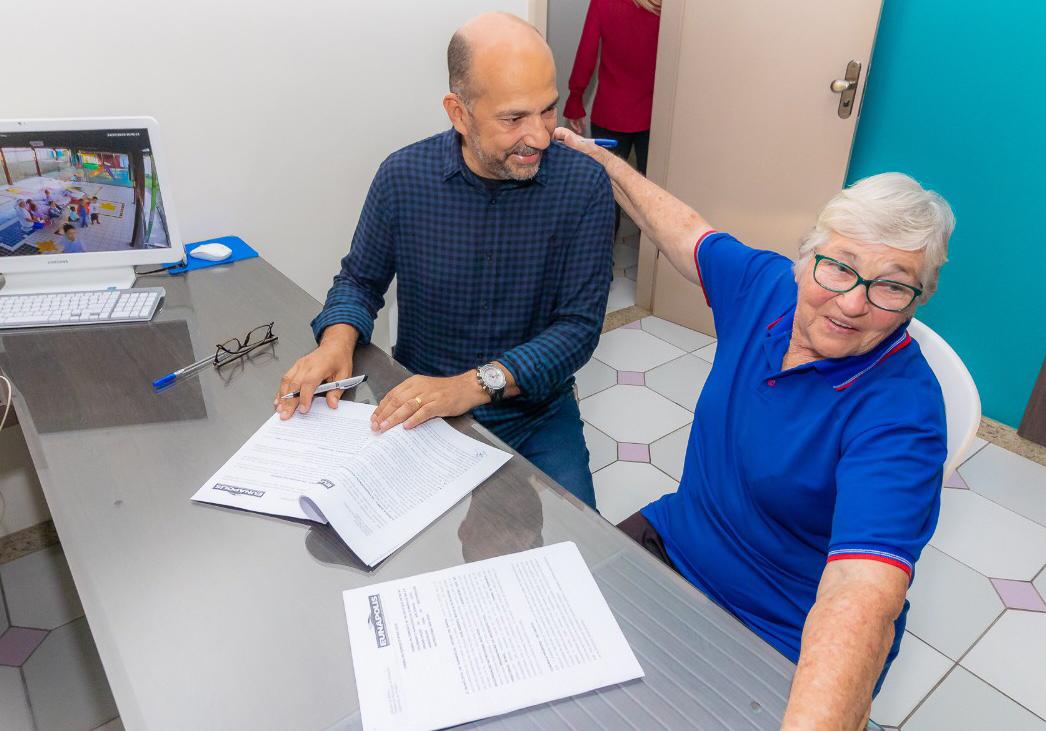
[
  {"x": 575, "y": 141},
  {"x": 672, "y": 226}
]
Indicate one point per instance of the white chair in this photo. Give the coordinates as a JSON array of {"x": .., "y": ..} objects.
[{"x": 962, "y": 403}]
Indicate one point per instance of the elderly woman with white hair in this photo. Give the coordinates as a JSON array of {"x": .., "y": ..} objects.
[{"x": 812, "y": 476}]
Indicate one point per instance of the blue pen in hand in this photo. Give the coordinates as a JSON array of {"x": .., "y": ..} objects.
[
  {"x": 172, "y": 377},
  {"x": 602, "y": 142}
]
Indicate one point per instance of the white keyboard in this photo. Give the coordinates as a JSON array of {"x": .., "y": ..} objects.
[{"x": 79, "y": 308}]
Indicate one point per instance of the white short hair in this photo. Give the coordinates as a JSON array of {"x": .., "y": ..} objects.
[{"x": 891, "y": 209}]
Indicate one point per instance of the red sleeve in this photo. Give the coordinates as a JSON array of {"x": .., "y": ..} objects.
[{"x": 584, "y": 63}]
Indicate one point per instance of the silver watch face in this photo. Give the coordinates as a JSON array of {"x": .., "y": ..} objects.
[{"x": 493, "y": 377}]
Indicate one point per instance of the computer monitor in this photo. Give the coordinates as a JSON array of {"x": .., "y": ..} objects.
[{"x": 81, "y": 203}]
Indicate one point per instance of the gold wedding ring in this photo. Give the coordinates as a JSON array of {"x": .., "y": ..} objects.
[{"x": 418, "y": 400}]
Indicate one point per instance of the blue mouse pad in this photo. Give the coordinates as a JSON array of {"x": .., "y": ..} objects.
[{"x": 240, "y": 251}]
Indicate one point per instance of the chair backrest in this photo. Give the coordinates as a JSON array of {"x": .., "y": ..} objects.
[{"x": 962, "y": 403}]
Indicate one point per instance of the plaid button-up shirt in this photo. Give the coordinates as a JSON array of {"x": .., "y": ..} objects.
[{"x": 518, "y": 273}]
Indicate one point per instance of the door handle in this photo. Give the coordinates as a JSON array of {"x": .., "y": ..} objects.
[{"x": 846, "y": 88}]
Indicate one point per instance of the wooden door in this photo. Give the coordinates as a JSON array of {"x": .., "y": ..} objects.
[{"x": 746, "y": 128}]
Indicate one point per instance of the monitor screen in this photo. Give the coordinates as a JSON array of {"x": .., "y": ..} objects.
[{"x": 79, "y": 191}]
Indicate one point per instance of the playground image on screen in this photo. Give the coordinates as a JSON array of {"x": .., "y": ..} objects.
[{"x": 79, "y": 191}]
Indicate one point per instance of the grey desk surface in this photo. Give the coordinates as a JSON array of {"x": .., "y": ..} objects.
[{"x": 209, "y": 618}]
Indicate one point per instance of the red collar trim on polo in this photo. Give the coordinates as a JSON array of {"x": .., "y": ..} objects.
[
  {"x": 849, "y": 368},
  {"x": 697, "y": 264},
  {"x": 899, "y": 344},
  {"x": 771, "y": 325}
]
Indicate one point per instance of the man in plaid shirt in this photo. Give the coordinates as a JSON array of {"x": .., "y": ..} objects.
[{"x": 501, "y": 242}]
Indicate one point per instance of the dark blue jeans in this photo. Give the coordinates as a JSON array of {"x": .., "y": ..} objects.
[{"x": 554, "y": 440}]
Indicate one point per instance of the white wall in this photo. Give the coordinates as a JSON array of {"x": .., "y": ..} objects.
[{"x": 234, "y": 85}]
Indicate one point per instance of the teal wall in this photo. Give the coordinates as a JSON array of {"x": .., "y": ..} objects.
[{"x": 956, "y": 99}]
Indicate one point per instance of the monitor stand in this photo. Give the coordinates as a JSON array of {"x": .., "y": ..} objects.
[{"x": 74, "y": 280}]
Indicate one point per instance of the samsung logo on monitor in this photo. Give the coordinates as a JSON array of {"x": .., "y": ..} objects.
[{"x": 57, "y": 261}]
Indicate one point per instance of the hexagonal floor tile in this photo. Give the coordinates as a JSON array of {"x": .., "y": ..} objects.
[
  {"x": 680, "y": 380},
  {"x": 594, "y": 377},
  {"x": 952, "y": 604},
  {"x": 633, "y": 414},
  {"x": 667, "y": 453},
  {"x": 977, "y": 445},
  {"x": 989, "y": 538},
  {"x": 1009, "y": 480},
  {"x": 634, "y": 350},
  {"x": 679, "y": 336},
  {"x": 707, "y": 352},
  {"x": 67, "y": 685},
  {"x": 602, "y": 450},
  {"x": 964, "y": 701},
  {"x": 917, "y": 669},
  {"x": 16, "y": 716},
  {"x": 1009, "y": 657},
  {"x": 625, "y": 487},
  {"x": 40, "y": 591}
]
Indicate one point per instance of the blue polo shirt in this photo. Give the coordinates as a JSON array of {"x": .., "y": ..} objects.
[{"x": 785, "y": 470}]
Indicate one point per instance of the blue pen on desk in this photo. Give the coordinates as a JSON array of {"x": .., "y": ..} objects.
[
  {"x": 172, "y": 377},
  {"x": 602, "y": 142}
]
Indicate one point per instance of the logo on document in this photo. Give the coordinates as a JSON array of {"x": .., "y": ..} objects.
[
  {"x": 239, "y": 490},
  {"x": 326, "y": 483},
  {"x": 377, "y": 620}
]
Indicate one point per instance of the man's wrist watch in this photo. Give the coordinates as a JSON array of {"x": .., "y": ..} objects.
[{"x": 492, "y": 380}]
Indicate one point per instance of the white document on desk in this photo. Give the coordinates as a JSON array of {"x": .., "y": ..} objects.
[
  {"x": 479, "y": 640},
  {"x": 376, "y": 490}
]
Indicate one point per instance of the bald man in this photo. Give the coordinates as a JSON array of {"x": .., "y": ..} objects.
[{"x": 501, "y": 243}]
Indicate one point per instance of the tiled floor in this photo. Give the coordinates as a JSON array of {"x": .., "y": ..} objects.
[
  {"x": 51, "y": 678},
  {"x": 974, "y": 653},
  {"x": 626, "y": 263}
]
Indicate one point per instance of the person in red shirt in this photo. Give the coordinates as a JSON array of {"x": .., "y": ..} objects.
[{"x": 623, "y": 34}]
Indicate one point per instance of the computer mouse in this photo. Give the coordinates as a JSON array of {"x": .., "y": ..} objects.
[{"x": 211, "y": 252}]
